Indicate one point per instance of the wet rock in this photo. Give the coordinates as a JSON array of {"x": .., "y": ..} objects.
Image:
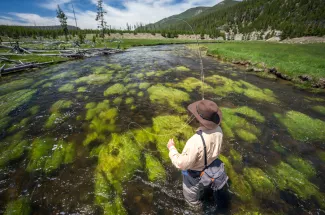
[
  {"x": 279, "y": 74},
  {"x": 305, "y": 77},
  {"x": 254, "y": 69},
  {"x": 320, "y": 83}
]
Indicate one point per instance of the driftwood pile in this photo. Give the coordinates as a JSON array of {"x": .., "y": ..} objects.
[{"x": 71, "y": 54}]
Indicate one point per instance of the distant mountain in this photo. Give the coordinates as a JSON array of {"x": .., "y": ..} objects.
[
  {"x": 294, "y": 18},
  {"x": 190, "y": 14}
]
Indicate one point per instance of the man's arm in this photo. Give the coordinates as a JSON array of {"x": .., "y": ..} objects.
[{"x": 185, "y": 160}]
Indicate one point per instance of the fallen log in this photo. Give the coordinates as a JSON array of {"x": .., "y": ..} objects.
[
  {"x": 27, "y": 66},
  {"x": 8, "y": 60}
]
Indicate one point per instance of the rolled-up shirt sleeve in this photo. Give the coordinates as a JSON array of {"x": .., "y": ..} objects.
[{"x": 185, "y": 160}]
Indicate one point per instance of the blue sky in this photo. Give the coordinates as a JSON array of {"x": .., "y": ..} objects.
[{"x": 119, "y": 12}]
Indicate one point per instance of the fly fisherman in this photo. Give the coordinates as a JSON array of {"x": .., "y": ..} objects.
[{"x": 202, "y": 170}]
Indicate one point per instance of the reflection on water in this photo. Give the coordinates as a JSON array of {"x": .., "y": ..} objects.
[{"x": 90, "y": 137}]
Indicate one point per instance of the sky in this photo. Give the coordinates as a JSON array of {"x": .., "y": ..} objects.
[{"x": 119, "y": 12}]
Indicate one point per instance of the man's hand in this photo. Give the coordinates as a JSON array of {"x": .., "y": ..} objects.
[{"x": 170, "y": 143}]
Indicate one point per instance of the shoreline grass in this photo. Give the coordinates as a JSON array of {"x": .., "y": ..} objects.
[{"x": 290, "y": 59}]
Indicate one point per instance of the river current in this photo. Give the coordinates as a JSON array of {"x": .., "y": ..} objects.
[{"x": 89, "y": 137}]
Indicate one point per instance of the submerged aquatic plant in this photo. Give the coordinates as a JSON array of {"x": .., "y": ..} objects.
[
  {"x": 166, "y": 95},
  {"x": 166, "y": 127},
  {"x": 115, "y": 89},
  {"x": 20, "y": 206},
  {"x": 10, "y": 102},
  {"x": 259, "y": 181},
  {"x": 226, "y": 86},
  {"x": 61, "y": 104},
  {"x": 287, "y": 177},
  {"x": 47, "y": 155},
  {"x": 182, "y": 69},
  {"x": 15, "y": 85},
  {"x": 13, "y": 148},
  {"x": 239, "y": 185},
  {"x": 302, "y": 165},
  {"x": 66, "y": 88},
  {"x": 82, "y": 89},
  {"x": 117, "y": 160},
  {"x": 235, "y": 123},
  {"x": 95, "y": 79},
  {"x": 319, "y": 109},
  {"x": 302, "y": 127},
  {"x": 190, "y": 84},
  {"x": 155, "y": 170},
  {"x": 102, "y": 119}
]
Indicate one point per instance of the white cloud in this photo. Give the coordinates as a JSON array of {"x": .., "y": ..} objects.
[
  {"x": 134, "y": 11},
  {"x": 53, "y": 4}
]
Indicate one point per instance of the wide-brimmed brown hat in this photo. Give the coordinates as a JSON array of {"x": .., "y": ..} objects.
[{"x": 207, "y": 113}]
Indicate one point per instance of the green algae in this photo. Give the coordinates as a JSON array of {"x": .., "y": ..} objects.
[
  {"x": 41, "y": 148},
  {"x": 313, "y": 129},
  {"x": 166, "y": 95},
  {"x": 167, "y": 127},
  {"x": 47, "y": 155},
  {"x": 82, "y": 89},
  {"x": 102, "y": 70},
  {"x": 115, "y": 207},
  {"x": 226, "y": 86},
  {"x": 155, "y": 170},
  {"x": 246, "y": 135},
  {"x": 66, "y": 88},
  {"x": 287, "y": 177},
  {"x": 278, "y": 147},
  {"x": 63, "y": 75},
  {"x": 139, "y": 75},
  {"x": 53, "y": 119},
  {"x": 95, "y": 79},
  {"x": 191, "y": 84},
  {"x": 102, "y": 120},
  {"x": 319, "y": 109},
  {"x": 117, "y": 161},
  {"x": 144, "y": 85},
  {"x": 11, "y": 101},
  {"x": 235, "y": 155},
  {"x": 259, "y": 181},
  {"x": 20, "y": 206},
  {"x": 148, "y": 74},
  {"x": 234, "y": 123},
  {"x": 12, "y": 148},
  {"x": 47, "y": 85},
  {"x": 34, "y": 110},
  {"x": 61, "y": 104},
  {"x": 143, "y": 136},
  {"x": 302, "y": 165},
  {"x": 182, "y": 69},
  {"x": 117, "y": 100},
  {"x": 4, "y": 122},
  {"x": 19, "y": 125},
  {"x": 140, "y": 94},
  {"x": 239, "y": 185},
  {"x": 63, "y": 154},
  {"x": 118, "y": 89},
  {"x": 321, "y": 155},
  {"x": 115, "y": 66},
  {"x": 129, "y": 100},
  {"x": 15, "y": 85}
]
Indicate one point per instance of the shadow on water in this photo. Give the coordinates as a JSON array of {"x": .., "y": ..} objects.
[{"x": 90, "y": 137}]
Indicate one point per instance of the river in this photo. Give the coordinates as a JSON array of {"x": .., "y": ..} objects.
[{"x": 89, "y": 137}]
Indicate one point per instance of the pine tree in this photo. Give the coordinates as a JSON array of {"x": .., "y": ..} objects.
[
  {"x": 100, "y": 17},
  {"x": 63, "y": 20}
]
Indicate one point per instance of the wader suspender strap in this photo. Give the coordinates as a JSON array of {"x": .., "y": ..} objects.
[{"x": 205, "y": 149}]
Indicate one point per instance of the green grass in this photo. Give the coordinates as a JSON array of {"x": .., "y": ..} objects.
[
  {"x": 290, "y": 59},
  {"x": 32, "y": 58},
  {"x": 127, "y": 43}
]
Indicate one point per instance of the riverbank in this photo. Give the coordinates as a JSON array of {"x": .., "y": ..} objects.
[{"x": 303, "y": 64}]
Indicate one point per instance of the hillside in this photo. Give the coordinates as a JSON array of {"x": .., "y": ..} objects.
[{"x": 295, "y": 18}]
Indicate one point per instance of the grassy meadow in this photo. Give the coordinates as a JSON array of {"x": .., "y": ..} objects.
[{"x": 290, "y": 59}]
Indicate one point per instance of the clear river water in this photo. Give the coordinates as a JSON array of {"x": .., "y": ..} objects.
[{"x": 89, "y": 137}]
